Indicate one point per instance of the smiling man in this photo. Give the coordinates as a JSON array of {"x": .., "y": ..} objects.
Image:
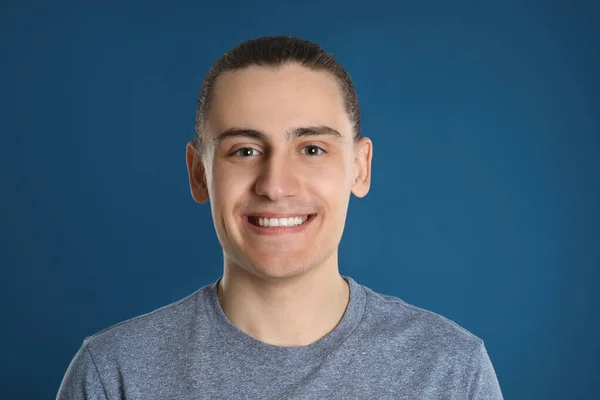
[{"x": 277, "y": 154}]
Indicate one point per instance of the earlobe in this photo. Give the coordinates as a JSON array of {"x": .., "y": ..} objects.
[
  {"x": 196, "y": 174},
  {"x": 362, "y": 167}
]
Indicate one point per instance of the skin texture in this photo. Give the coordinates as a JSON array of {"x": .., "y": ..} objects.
[{"x": 281, "y": 289}]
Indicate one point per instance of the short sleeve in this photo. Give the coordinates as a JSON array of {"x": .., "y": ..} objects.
[
  {"x": 81, "y": 381},
  {"x": 484, "y": 384}
]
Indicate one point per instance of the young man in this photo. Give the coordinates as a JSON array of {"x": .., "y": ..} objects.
[{"x": 278, "y": 153}]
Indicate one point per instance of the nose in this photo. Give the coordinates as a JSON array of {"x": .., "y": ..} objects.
[{"x": 278, "y": 178}]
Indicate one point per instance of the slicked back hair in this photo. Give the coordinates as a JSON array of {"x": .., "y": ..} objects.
[{"x": 275, "y": 51}]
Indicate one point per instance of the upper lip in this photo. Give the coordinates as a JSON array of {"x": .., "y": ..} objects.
[{"x": 267, "y": 214}]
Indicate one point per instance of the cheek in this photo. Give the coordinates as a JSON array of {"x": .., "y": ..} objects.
[
  {"x": 331, "y": 185},
  {"x": 227, "y": 188},
  {"x": 224, "y": 193},
  {"x": 221, "y": 190}
]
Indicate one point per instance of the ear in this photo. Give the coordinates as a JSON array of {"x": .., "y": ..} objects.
[
  {"x": 363, "y": 154},
  {"x": 196, "y": 173}
]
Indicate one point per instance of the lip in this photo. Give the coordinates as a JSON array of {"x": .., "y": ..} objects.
[
  {"x": 267, "y": 214},
  {"x": 280, "y": 230}
]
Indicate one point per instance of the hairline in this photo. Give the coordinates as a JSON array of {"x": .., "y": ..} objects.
[{"x": 340, "y": 85}]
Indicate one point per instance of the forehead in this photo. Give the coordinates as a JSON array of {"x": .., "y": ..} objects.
[{"x": 276, "y": 99}]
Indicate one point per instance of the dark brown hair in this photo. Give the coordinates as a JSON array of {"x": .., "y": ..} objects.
[{"x": 275, "y": 51}]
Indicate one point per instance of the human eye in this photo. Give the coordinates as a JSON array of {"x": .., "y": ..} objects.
[
  {"x": 245, "y": 152},
  {"x": 312, "y": 150}
]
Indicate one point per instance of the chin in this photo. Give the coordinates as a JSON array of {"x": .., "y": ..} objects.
[{"x": 282, "y": 268}]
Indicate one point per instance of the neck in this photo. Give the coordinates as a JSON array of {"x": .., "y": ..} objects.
[{"x": 288, "y": 312}]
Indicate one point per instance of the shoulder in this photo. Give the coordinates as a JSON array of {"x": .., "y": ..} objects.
[
  {"x": 429, "y": 347},
  {"x": 133, "y": 348},
  {"x": 419, "y": 330},
  {"x": 146, "y": 333}
]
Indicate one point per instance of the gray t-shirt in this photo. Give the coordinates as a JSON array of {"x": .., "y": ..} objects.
[{"x": 382, "y": 348}]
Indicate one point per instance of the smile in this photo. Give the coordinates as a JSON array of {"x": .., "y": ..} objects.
[
  {"x": 284, "y": 225},
  {"x": 266, "y": 222}
]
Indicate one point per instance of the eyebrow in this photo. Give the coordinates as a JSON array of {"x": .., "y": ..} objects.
[{"x": 298, "y": 132}]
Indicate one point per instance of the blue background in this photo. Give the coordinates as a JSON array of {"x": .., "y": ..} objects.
[{"x": 485, "y": 197}]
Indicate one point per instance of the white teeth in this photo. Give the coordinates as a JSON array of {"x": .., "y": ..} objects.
[{"x": 291, "y": 221}]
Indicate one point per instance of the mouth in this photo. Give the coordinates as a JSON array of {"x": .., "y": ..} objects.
[{"x": 284, "y": 222}]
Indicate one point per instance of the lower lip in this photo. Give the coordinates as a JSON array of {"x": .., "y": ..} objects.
[{"x": 279, "y": 230}]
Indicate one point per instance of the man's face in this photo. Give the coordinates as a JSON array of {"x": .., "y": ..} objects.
[{"x": 279, "y": 151}]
